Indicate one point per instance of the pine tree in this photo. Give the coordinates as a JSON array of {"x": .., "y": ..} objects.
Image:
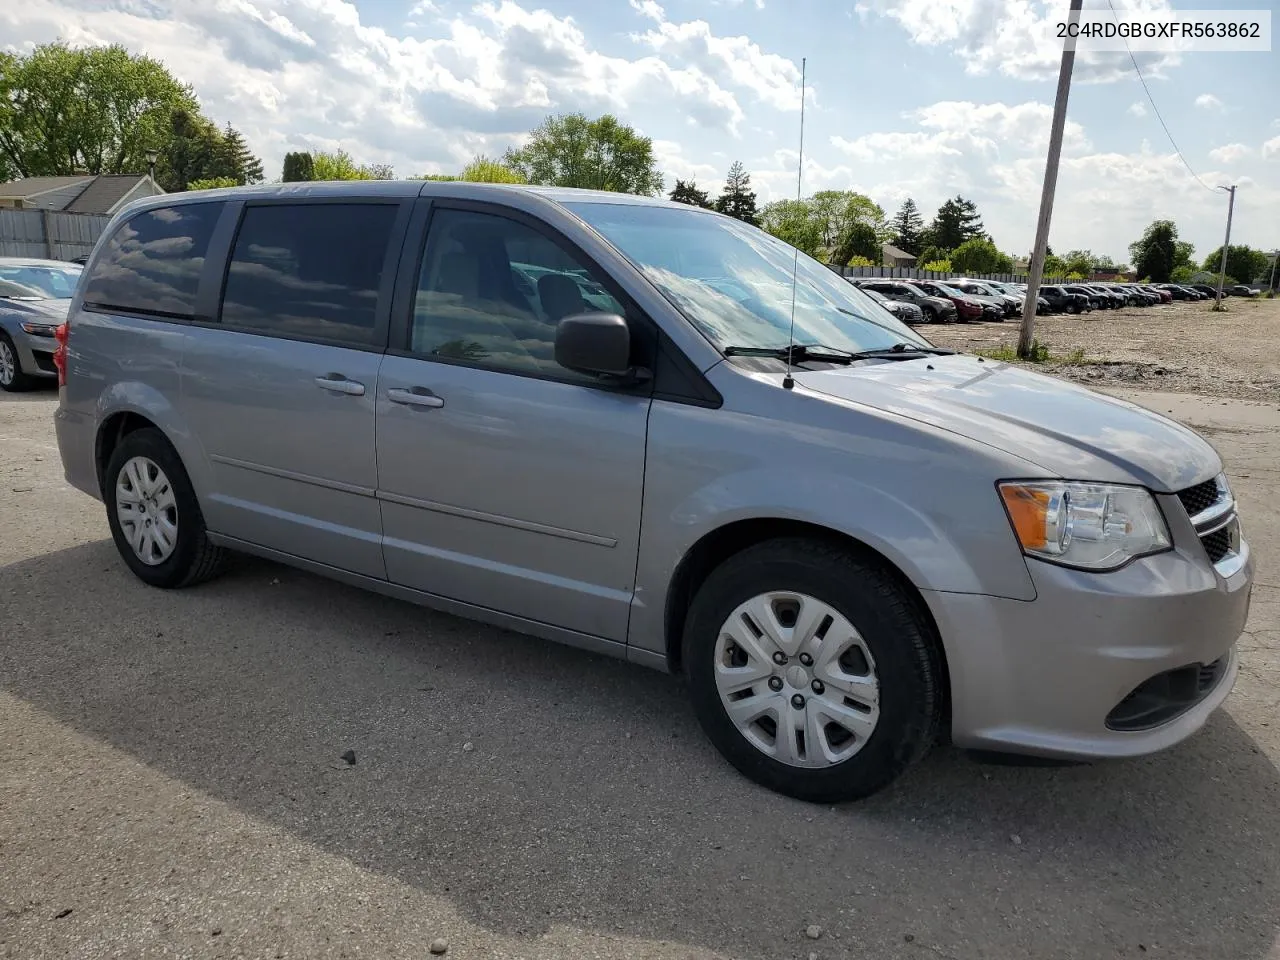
[
  {"x": 956, "y": 221},
  {"x": 297, "y": 167},
  {"x": 908, "y": 228},
  {"x": 688, "y": 192},
  {"x": 238, "y": 161},
  {"x": 738, "y": 199},
  {"x": 970, "y": 222}
]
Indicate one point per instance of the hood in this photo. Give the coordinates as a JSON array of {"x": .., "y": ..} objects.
[
  {"x": 42, "y": 311},
  {"x": 1067, "y": 430},
  {"x": 940, "y": 303}
]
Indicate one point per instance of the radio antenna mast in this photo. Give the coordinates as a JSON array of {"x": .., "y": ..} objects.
[{"x": 788, "y": 382}]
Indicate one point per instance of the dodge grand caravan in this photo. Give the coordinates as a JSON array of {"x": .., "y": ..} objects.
[{"x": 618, "y": 423}]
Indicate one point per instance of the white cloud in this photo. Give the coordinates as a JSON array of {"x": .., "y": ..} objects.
[
  {"x": 1015, "y": 38},
  {"x": 1271, "y": 149},
  {"x": 1138, "y": 109},
  {"x": 1231, "y": 152},
  {"x": 649, "y": 8},
  {"x": 1207, "y": 101},
  {"x": 735, "y": 61},
  {"x": 313, "y": 75}
]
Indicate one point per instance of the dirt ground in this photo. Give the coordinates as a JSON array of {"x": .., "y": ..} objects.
[{"x": 1178, "y": 347}]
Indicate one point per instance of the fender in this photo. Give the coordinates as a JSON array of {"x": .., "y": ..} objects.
[{"x": 923, "y": 498}]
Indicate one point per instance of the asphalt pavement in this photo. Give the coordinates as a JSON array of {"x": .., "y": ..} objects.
[{"x": 172, "y": 783}]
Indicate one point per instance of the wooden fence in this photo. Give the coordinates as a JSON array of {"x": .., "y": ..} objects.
[{"x": 47, "y": 234}]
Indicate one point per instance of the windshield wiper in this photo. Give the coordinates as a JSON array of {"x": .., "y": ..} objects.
[{"x": 801, "y": 352}]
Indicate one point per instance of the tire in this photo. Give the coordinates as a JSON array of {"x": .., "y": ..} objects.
[
  {"x": 170, "y": 500},
  {"x": 12, "y": 379},
  {"x": 894, "y": 641}
]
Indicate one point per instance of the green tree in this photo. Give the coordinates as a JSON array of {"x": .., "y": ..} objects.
[
  {"x": 1155, "y": 253},
  {"x": 570, "y": 150},
  {"x": 213, "y": 183},
  {"x": 686, "y": 191},
  {"x": 298, "y": 167},
  {"x": 1184, "y": 254},
  {"x": 860, "y": 240},
  {"x": 1054, "y": 266},
  {"x": 239, "y": 160},
  {"x": 980, "y": 255},
  {"x": 932, "y": 254},
  {"x": 941, "y": 265},
  {"x": 956, "y": 221},
  {"x": 1080, "y": 261},
  {"x": 192, "y": 151},
  {"x": 1183, "y": 274},
  {"x": 1242, "y": 261},
  {"x": 337, "y": 166},
  {"x": 738, "y": 200},
  {"x": 93, "y": 110},
  {"x": 907, "y": 228},
  {"x": 860, "y": 261},
  {"x": 487, "y": 170},
  {"x": 836, "y": 211},
  {"x": 794, "y": 222}
]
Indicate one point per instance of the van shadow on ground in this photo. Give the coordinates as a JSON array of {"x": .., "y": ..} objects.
[{"x": 592, "y": 798}]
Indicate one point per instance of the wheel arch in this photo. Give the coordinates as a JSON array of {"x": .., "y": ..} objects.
[{"x": 718, "y": 545}]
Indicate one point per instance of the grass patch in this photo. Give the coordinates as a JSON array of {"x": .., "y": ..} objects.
[{"x": 1007, "y": 353}]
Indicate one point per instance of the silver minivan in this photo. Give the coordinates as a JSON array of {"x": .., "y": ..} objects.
[{"x": 648, "y": 430}]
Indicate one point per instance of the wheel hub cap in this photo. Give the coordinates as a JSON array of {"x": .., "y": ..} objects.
[
  {"x": 797, "y": 679},
  {"x": 147, "y": 510}
]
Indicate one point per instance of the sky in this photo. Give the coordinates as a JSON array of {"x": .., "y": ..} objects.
[{"x": 905, "y": 98}]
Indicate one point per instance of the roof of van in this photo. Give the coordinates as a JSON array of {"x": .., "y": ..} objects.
[{"x": 406, "y": 188}]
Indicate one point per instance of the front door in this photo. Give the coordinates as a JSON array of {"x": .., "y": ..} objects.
[{"x": 507, "y": 481}]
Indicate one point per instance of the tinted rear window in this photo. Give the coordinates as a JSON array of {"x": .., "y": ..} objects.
[
  {"x": 152, "y": 263},
  {"x": 309, "y": 270}
]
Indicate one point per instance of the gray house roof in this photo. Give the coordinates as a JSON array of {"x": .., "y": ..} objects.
[
  {"x": 103, "y": 194},
  {"x": 893, "y": 253}
]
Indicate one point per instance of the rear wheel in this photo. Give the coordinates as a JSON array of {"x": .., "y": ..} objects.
[
  {"x": 12, "y": 379},
  {"x": 812, "y": 670},
  {"x": 154, "y": 516}
]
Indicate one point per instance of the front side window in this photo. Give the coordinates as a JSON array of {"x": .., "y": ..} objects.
[
  {"x": 491, "y": 291},
  {"x": 309, "y": 270},
  {"x": 734, "y": 282},
  {"x": 152, "y": 263}
]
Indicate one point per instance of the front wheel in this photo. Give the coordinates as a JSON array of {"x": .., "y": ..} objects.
[
  {"x": 12, "y": 379},
  {"x": 812, "y": 670},
  {"x": 154, "y": 516}
]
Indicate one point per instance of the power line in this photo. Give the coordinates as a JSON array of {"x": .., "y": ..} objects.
[{"x": 1151, "y": 99}]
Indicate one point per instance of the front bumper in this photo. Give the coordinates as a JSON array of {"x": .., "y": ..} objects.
[
  {"x": 35, "y": 354},
  {"x": 1043, "y": 677}
]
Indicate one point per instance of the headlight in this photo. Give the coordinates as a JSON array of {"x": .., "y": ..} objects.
[
  {"x": 39, "y": 329},
  {"x": 1093, "y": 526}
]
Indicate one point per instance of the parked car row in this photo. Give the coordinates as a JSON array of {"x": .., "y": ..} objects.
[{"x": 34, "y": 297}]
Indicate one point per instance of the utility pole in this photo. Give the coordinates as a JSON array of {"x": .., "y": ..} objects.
[
  {"x": 1275, "y": 258},
  {"x": 1026, "y": 335},
  {"x": 1226, "y": 245}
]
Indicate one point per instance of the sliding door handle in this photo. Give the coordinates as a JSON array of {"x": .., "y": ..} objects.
[
  {"x": 415, "y": 397},
  {"x": 337, "y": 383}
]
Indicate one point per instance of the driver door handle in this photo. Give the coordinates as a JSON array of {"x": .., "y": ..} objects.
[
  {"x": 415, "y": 397},
  {"x": 337, "y": 383}
]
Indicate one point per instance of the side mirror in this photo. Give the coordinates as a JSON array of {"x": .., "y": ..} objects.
[{"x": 596, "y": 343}]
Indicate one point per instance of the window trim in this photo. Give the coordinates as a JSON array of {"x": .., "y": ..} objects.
[
  {"x": 391, "y": 260},
  {"x": 415, "y": 247},
  {"x": 167, "y": 316}
]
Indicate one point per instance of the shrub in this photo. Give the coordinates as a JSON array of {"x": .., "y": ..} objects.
[{"x": 938, "y": 266}]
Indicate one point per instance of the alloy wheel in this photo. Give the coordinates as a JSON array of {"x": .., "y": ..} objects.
[
  {"x": 797, "y": 679},
  {"x": 8, "y": 364},
  {"x": 147, "y": 510}
]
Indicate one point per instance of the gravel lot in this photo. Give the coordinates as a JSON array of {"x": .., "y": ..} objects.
[
  {"x": 1181, "y": 346},
  {"x": 171, "y": 782}
]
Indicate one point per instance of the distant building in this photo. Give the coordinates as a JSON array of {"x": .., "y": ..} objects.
[
  {"x": 102, "y": 194},
  {"x": 893, "y": 257}
]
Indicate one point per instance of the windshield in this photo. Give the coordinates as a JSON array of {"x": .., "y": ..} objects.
[
  {"x": 734, "y": 281},
  {"x": 54, "y": 282},
  {"x": 16, "y": 291}
]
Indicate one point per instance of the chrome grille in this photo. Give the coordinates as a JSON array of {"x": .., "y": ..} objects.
[
  {"x": 1212, "y": 510},
  {"x": 1200, "y": 497}
]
